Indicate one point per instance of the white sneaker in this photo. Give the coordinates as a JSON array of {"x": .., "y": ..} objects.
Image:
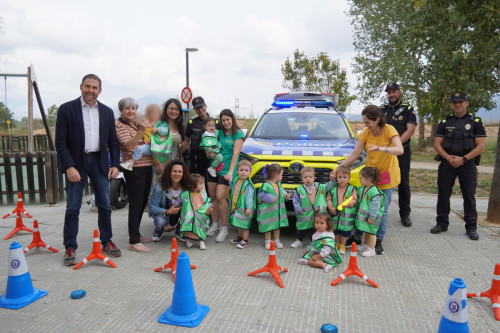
[
  {"x": 369, "y": 252},
  {"x": 362, "y": 247},
  {"x": 212, "y": 172},
  {"x": 327, "y": 268},
  {"x": 303, "y": 261},
  {"x": 214, "y": 228},
  {"x": 297, "y": 244},
  {"x": 202, "y": 245},
  {"x": 278, "y": 244},
  {"x": 156, "y": 237},
  {"x": 222, "y": 235},
  {"x": 189, "y": 243},
  {"x": 129, "y": 165},
  {"x": 267, "y": 244}
]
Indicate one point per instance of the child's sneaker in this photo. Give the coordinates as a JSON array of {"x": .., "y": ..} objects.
[
  {"x": 296, "y": 244},
  {"x": 212, "y": 172},
  {"x": 369, "y": 252},
  {"x": 278, "y": 244},
  {"x": 214, "y": 228},
  {"x": 303, "y": 261},
  {"x": 202, "y": 245},
  {"x": 341, "y": 249},
  {"x": 129, "y": 165},
  {"x": 236, "y": 240},
  {"x": 327, "y": 268},
  {"x": 189, "y": 243},
  {"x": 362, "y": 247},
  {"x": 242, "y": 244},
  {"x": 220, "y": 167},
  {"x": 267, "y": 244}
]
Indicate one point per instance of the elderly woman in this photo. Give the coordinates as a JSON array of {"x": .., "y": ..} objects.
[
  {"x": 130, "y": 135},
  {"x": 162, "y": 206},
  {"x": 383, "y": 145}
]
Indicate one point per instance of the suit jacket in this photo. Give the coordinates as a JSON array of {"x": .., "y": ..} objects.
[{"x": 70, "y": 137}]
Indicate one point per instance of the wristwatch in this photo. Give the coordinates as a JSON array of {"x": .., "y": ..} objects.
[{"x": 465, "y": 159}]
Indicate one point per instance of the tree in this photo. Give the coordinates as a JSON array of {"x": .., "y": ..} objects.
[
  {"x": 493, "y": 214},
  {"x": 319, "y": 73},
  {"x": 5, "y": 114},
  {"x": 52, "y": 114}
]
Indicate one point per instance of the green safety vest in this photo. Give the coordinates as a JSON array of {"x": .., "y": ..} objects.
[
  {"x": 161, "y": 148},
  {"x": 332, "y": 259},
  {"x": 364, "y": 209},
  {"x": 208, "y": 141},
  {"x": 237, "y": 217},
  {"x": 196, "y": 222},
  {"x": 306, "y": 219},
  {"x": 272, "y": 216},
  {"x": 346, "y": 217}
]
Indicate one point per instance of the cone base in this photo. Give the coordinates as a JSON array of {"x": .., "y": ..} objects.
[
  {"x": 446, "y": 325},
  {"x": 21, "y": 302},
  {"x": 191, "y": 320}
]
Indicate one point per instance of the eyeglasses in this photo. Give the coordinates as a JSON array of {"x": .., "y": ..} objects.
[{"x": 173, "y": 109}]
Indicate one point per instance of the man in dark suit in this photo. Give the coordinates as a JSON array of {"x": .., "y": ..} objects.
[{"x": 85, "y": 133}]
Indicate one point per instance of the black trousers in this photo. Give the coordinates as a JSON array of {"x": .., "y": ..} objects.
[
  {"x": 404, "y": 191},
  {"x": 467, "y": 177},
  {"x": 199, "y": 163},
  {"x": 138, "y": 188}
]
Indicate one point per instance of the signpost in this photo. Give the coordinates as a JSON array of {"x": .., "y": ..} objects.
[{"x": 186, "y": 96}]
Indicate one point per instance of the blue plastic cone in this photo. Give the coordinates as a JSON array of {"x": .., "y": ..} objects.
[
  {"x": 184, "y": 310},
  {"x": 455, "y": 309},
  {"x": 20, "y": 291}
]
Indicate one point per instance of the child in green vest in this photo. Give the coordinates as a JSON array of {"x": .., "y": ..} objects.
[
  {"x": 322, "y": 253},
  {"x": 210, "y": 142},
  {"x": 308, "y": 198},
  {"x": 242, "y": 203},
  {"x": 343, "y": 219},
  {"x": 196, "y": 205},
  {"x": 271, "y": 214},
  {"x": 371, "y": 203}
]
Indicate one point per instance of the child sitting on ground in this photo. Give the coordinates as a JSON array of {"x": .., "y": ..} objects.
[
  {"x": 242, "y": 203},
  {"x": 308, "y": 198},
  {"x": 343, "y": 219},
  {"x": 322, "y": 253},
  {"x": 210, "y": 143},
  {"x": 156, "y": 137},
  {"x": 271, "y": 215},
  {"x": 371, "y": 203},
  {"x": 196, "y": 205}
]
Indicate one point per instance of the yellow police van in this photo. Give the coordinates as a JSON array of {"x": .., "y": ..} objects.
[{"x": 301, "y": 129}]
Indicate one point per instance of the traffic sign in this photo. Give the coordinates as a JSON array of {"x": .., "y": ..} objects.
[{"x": 186, "y": 95}]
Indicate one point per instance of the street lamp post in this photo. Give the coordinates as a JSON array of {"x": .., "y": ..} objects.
[{"x": 189, "y": 49}]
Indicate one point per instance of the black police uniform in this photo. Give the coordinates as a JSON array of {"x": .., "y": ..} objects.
[
  {"x": 458, "y": 135},
  {"x": 199, "y": 162},
  {"x": 399, "y": 116}
]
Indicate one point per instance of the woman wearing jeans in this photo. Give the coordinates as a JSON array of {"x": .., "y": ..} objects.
[{"x": 383, "y": 144}]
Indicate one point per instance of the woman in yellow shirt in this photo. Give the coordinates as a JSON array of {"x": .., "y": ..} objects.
[{"x": 383, "y": 145}]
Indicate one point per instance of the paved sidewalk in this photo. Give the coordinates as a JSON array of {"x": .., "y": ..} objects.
[{"x": 413, "y": 278}]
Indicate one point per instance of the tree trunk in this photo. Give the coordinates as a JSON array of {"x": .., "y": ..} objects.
[
  {"x": 493, "y": 214},
  {"x": 421, "y": 121},
  {"x": 433, "y": 130}
]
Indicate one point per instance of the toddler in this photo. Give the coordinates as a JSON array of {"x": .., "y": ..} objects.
[
  {"x": 371, "y": 203},
  {"x": 271, "y": 215},
  {"x": 156, "y": 137},
  {"x": 343, "y": 219},
  {"x": 242, "y": 203},
  {"x": 210, "y": 143},
  {"x": 195, "y": 208},
  {"x": 322, "y": 253}
]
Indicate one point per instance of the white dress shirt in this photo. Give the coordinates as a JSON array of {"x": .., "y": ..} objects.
[{"x": 90, "y": 126}]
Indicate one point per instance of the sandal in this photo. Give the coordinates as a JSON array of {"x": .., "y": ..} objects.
[
  {"x": 139, "y": 247},
  {"x": 145, "y": 239}
]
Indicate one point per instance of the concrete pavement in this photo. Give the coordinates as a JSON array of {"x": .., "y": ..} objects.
[{"x": 413, "y": 277}]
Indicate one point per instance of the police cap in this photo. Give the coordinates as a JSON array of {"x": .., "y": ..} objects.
[
  {"x": 198, "y": 102},
  {"x": 458, "y": 96},
  {"x": 392, "y": 85}
]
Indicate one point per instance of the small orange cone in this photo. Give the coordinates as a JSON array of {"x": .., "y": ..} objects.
[
  {"x": 172, "y": 264},
  {"x": 37, "y": 240},
  {"x": 272, "y": 267},
  {"x": 19, "y": 208},
  {"x": 493, "y": 294},
  {"x": 353, "y": 269},
  {"x": 96, "y": 253},
  {"x": 19, "y": 226}
]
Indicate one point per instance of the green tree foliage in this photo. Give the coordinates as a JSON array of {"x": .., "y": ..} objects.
[
  {"x": 5, "y": 114},
  {"x": 319, "y": 73},
  {"x": 52, "y": 114}
]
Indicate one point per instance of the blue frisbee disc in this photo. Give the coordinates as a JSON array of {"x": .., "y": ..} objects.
[{"x": 78, "y": 294}]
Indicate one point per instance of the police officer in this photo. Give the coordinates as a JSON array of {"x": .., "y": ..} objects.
[
  {"x": 402, "y": 117},
  {"x": 199, "y": 161},
  {"x": 460, "y": 139}
]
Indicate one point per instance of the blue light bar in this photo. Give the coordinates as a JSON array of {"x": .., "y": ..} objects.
[
  {"x": 322, "y": 103},
  {"x": 304, "y": 136},
  {"x": 283, "y": 103}
]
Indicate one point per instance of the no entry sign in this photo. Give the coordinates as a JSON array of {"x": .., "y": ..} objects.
[{"x": 186, "y": 95}]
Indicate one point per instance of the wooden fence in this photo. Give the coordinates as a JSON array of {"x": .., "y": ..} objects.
[
  {"x": 36, "y": 176},
  {"x": 12, "y": 144}
]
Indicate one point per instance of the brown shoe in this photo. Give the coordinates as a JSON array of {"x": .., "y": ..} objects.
[
  {"x": 69, "y": 257},
  {"x": 111, "y": 250}
]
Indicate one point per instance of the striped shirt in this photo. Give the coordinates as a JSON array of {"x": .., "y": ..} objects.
[{"x": 124, "y": 133}]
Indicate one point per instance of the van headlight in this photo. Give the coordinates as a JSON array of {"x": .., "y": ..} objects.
[
  {"x": 359, "y": 161},
  {"x": 252, "y": 160}
]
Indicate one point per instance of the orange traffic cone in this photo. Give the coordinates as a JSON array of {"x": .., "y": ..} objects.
[
  {"x": 353, "y": 269},
  {"x": 272, "y": 267},
  {"x": 96, "y": 253},
  {"x": 493, "y": 294},
  {"x": 172, "y": 264},
  {"x": 19, "y": 208},
  {"x": 37, "y": 240},
  {"x": 19, "y": 226}
]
